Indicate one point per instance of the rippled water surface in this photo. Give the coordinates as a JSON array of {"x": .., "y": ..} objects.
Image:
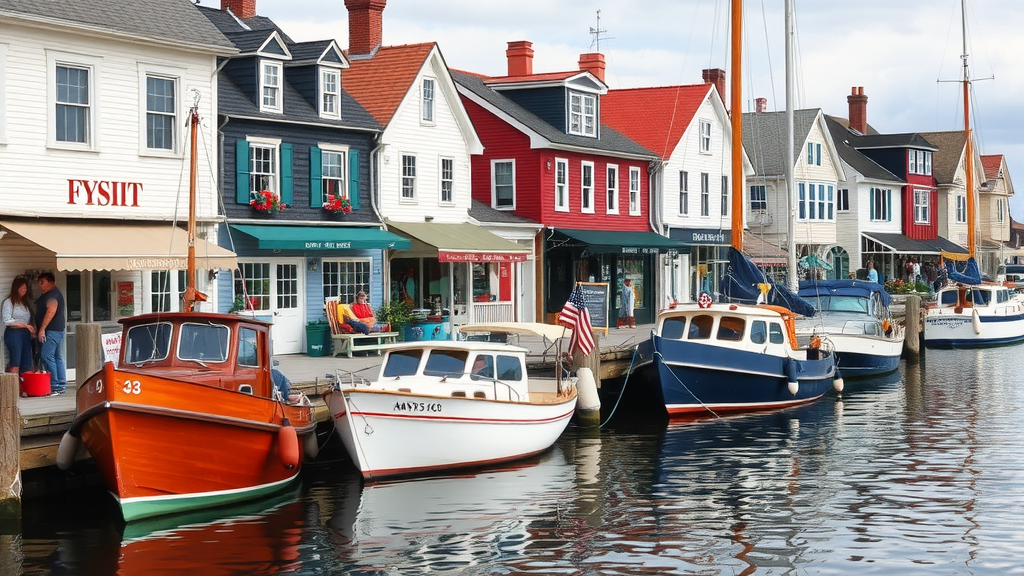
[{"x": 918, "y": 472}]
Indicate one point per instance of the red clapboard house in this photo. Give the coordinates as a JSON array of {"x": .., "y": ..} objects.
[{"x": 549, "y": 158}]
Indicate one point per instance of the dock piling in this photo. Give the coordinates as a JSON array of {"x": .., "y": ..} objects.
[
  {"x": 10, "y": 449},
  {"x": 912, "y": 327}
]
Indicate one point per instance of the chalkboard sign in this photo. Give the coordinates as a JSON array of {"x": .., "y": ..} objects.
[{"x": 595, "y": 298}]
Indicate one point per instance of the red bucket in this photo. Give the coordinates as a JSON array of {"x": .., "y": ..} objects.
[{"x": 35, "y": 383}]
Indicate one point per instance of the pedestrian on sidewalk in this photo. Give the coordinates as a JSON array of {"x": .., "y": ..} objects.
[
  {"x": 628, "y": 300},
  {"x": 19, "y": 331},
  {"x": 51, "y": 315}
]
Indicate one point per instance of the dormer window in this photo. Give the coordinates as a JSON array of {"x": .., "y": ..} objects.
[
  {"x": 582, "y": 114},
  {"x": 330, "y": 93},
  {"x": 270, "y": 86}
]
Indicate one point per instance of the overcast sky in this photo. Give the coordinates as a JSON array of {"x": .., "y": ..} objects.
[{"x": 898, "y": 50}]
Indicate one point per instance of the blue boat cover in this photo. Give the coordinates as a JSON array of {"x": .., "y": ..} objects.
[
  {"x": 739, "y": 284},
  {"x": 969, "y": 275},
  {"x": 861, "y": 288}
]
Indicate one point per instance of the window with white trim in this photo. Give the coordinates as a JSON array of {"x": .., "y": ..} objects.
[
  {"x": 725, "y": 195},
  {"x": 705, "y": 137},
  {"x": 813, "y": 154},
  {"x": 408, "y": 177},
  {"x": 919, "y": 162},
  {"x": 73, "y": 113},
  {"x": 161, "y": 113},
  {"x": 843, "y": 200},
  {"x": 343, "y": 279},
  {"x": 634, "y": 191},
  {"x": 561, "y": 185},
  {"x": 447, "y": 180},
  {"x": 961, "y": 208},
  {"x": 684, "y": 192},
  {"x": 330, "y": 93},
  {"x": 587, "y": 187},
  {"x": 816, "y": 201},
  {"x": 503, "y": 184},
  {"x": 166, "y": 289},
  {"x": 758, "y": 198},
  {"x": 333, "y": 166},
  {"x": 881, "y": 205},
  {"x": 263, "y": 165},
  {"x": 705, "y": 194},
  {"x": 912, "y": 161},
  {"x": 270, "y": 86},
  {"x": 922, "y": 208},
  {"x": 582, "y": 114},
  {"x": 612, "y": 182},
  {"x": 1000, "y": 210},
  {"x": 427, "y": 107}
]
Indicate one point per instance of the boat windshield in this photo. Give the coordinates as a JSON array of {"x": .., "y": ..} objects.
[
  {"x": 838, "y": 303},
  {"x": 204, "y": 342},
  {"x": 446, "y": 363},
  {"x": 147, "y": 343},
  {"x": 403, "y": 363}
]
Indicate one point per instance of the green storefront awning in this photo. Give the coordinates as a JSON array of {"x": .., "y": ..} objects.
[
  {"x": 322, "y": 238},
  {"x": 616, "y": 242}
]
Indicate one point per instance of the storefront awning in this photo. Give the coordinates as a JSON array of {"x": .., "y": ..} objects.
[
  {"x": 616, "y": 242},
  {"x": 322, "y": 238},
  {"x": 120, "y": 245},
  {"x": 901, "y": 244},
  {"x": 462, "y": 242}
]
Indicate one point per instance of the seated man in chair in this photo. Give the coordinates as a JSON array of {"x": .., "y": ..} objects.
[{"x": 359, "y": 316}]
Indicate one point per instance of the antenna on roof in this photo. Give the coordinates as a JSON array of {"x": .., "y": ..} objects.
[{"x": 597, "y": 32}]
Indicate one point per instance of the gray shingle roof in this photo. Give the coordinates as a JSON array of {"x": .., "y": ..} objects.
[
  {"x": 610, "y": 140},
  {"x": 233, "y": 102},
  {"x": 227, "y": 23},
  {"x": 843, "y": 138},
  {"x": 950, "y": 150},
  {"x": 764, "y": 137},
  {"x": 249, "y": 41},
  {"x": 168, "y": 20},
  {"x": 484, "y": 213},
  {"x": 906, "y": 140},
  {"x": 308, "y": 50}
]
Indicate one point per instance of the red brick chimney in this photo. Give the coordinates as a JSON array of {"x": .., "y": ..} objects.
[
  {"x": 593, "y": 63},
  {"x": 520, "y": 58},
  {"x": 716, "y": 76},
  {"x": 760, "y": 105},
  {"x": 858, "y": 109},
  {"x": 240, "y": 8},
  {"x": 364, "y": 25}
]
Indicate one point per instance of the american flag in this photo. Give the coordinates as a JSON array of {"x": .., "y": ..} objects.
[{"x": 576, "y": 316}]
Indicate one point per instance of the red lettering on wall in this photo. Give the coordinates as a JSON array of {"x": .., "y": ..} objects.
[{"x": 104, "y": 192}]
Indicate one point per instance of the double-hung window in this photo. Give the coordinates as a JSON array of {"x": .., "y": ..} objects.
[
  {"x": 408, "y": 177},
  {"x": 912, "y": 162},
  {"x": 843, "y": 200},
  {"x": 270, "y": 86},
  {"x": 582, "y": 114},
  {"x": 881, "y": 205},
  {"x": 161, "y": 113},
  {"x": 705, "y": 194},
  {"x": 613, "y": 189},
  {"x": 263, "y": 166},
  {"x": 801, "y": 201},
  {"x": 447, "y": 180},
  {"x": 561, "y": 185},
  {"x": 330, "y": 93},
  {"x": 705, "y": 137},
  {"x": 758, "y": 198},
  {"x": 961, "y": 208},
  {"x": 634, "y": 191},
  {"x": 74, "y": 112},
  {"x": 1000, "y": 211},
  {"x": 503, "y": 184},
  {"x": 427, "y": 107},
  {"x": 684, "y": 192},
  {"x": 922, "y": 207},
  {"x": 813, "y": 154},
  {"x": 332, "y": 166},
  {"x": 725, "y": 195},
  {"x": 587, "y": 188}
]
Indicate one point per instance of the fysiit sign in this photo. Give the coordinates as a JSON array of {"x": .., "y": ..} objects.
[{"x": 104, "y": 192}]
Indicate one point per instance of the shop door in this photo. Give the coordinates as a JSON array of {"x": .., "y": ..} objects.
[{"x": 288, "y": 322}]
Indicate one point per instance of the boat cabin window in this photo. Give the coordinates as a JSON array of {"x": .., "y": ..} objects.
[
  {"x": 446, "y": 363},
  {"x": 483, "y": 368},
  {"x": 403, "y": 363},
  {"x": 510, "y": 368},
  {"x": 731, "y": 328},
  {"x": 672, "y": 328},
  {"x": 947, "y": 298},
  {"x": 1002, "y": 296},
  {"x": 247, "y": 347},
  {"x": 700, "y": 327},
  {"x": 834, "y": 303},
  {"x": 775, "y": 333},
  {"x": 147, "y": 343},
  {"x": 204, "y": 342},
  {"x": 979, "y": 297},
  {"x": 758, "y": 332}
]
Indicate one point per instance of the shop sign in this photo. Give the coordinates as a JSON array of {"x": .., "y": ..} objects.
[
  {"x": 639, "y": 250},
  {"x": 705, "y": 236},
  {"x": 328, "y": 246},
  {"x": 103, "y": 192},
  {"x": 446, "y": 256},
  {"x": 157, "y": 263}
]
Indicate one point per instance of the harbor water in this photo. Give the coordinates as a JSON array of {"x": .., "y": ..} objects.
[{"x": 918, "y": 472}]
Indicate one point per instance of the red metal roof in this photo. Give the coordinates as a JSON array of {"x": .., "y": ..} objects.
[
  {"x": 653, "y": 117},
  {"x": 380, "y": 83},
  {"x": 991, "y": 164}
]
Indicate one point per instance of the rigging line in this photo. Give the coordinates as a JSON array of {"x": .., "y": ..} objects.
[
  {"x": 622, "y": 392},
  {"x": 768, "y": 54}
]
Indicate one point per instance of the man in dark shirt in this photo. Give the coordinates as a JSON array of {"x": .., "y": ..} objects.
[{"x": 51, "y": 315}]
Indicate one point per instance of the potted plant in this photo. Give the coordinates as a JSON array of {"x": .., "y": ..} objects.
[
  {"x": 267, "y": 201},
  {"x": 396, "y": 313},
  {"x": 336, "y": 205}
]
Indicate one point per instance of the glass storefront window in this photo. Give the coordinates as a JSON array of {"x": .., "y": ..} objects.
[
  {"x": 343, "y": 279},
  {"x": 405, "y": 281},
  {"x": 257, "y": 283},
  {"x": 101, "y": 296},
  {"x": 633, "y": 269}
]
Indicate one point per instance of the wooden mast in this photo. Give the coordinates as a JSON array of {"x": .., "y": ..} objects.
[
  {"x": 968, "y": 148},
  {"x": 736, "y": 110},
  {"x": 192, "y": 295}
]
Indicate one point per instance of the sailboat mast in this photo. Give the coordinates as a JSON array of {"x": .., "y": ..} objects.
[
  {"x": 736, "y": 105},
  {"x": 968, "y": 148},
  {"x": 190, "y": 277},
  {"x": 794, "y": 282}
]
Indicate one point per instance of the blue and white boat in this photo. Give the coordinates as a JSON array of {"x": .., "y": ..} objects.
[
  {"x": 855, "y": 318},
  {"x": 969, "y": 313}
]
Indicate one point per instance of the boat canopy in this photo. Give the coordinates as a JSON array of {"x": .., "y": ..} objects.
[
  {"x": 861, "y": 288},
  {"x": 740, "y": 284},
  {"x": 960, "y": 271}
]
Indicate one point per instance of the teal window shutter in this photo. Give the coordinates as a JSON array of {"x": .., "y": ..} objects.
[
  {"x": 242, "y": 195},
  {"x": 353, "y": 178},
  {"x": 316, "y": 169},
  {"x": 287, "y": 184}
]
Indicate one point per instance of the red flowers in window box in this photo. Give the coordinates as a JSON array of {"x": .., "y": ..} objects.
[
  {"x": 267, "y": 201},
  {"x": 337, "y": 205}
]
